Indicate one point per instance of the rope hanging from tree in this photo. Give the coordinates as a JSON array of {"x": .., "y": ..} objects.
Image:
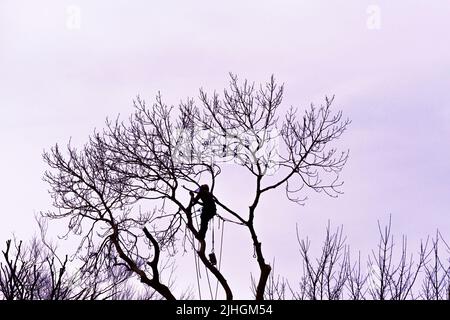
[{"x": 212, "y": 257}]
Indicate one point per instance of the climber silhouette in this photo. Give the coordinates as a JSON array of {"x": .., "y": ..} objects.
[{"x": 208, "y": 207}]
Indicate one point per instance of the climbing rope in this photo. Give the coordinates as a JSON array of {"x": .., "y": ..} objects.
[
  {"x": 196, "y": 258},
  {"x": 209, "y": 283},
  {"x": 206, "y": 270},
  {"x": 220, "y": 254},
  {"x": 197, "y": 270},
  {"x": 212, "y": 244}
]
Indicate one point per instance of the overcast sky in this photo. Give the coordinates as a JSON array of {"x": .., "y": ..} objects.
[{"x": 66, "y": 66}]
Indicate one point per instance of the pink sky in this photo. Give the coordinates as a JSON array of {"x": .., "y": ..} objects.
[{"x": 393, "y": 82}]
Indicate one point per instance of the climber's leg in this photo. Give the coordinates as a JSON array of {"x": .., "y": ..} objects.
[{"x": 203, "y": 225}]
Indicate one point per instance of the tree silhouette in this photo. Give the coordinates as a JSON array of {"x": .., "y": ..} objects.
[
  {"x": 34, "y": 271},
  {"x": 124, "y": 192},
  {"x": 386, "y": 274}
]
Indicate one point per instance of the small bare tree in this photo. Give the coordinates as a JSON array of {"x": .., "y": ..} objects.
[
  {"x": 356, "y": 279},
  {"x": 28, "y": 273},
  {"x": 325, "y": 277},
  {"x": 391, "y": 280},
  {"x": 35, "y": 272},
  {"x": 436, "y": 283},
  {"x": 334, "y": 275}
]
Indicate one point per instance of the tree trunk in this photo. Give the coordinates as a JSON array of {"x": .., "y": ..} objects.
[{"x": 264, "y": 268}]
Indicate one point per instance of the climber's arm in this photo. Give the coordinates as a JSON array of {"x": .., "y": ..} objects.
[{"x": 194, "y": 200}]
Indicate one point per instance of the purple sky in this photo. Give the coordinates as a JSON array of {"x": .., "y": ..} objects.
[{"x": 59, "y": 81}]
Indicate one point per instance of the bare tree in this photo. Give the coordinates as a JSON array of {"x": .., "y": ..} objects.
[
  {"x": 436, "y": 283},
  {"x": 334, "y": 275},
  {"x": 325, "y": 277},
  {"x": 356, "y": 279},
  {"x": 34, "y": 272},
  {"x": 95, "y": 198},
  {"x": 150, "y": 161},
  {"x": 28, "y": 273},
  {"x": 391, "y": 280},
  {"x": 247, "y": 119}
]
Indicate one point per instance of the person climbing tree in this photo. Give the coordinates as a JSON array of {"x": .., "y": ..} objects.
[{"x": 208, "y": 207}]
